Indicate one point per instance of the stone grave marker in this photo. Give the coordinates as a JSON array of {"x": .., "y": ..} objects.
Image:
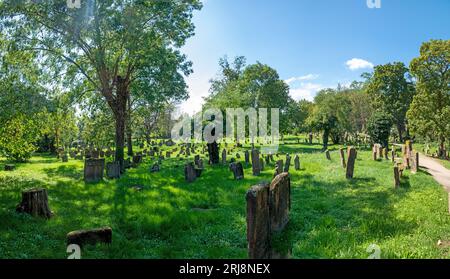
[
  {"x": 189, "y": 172},
  {"x": 238, "y": 170},
  {"x": 327, "y": 154},
  {"x": 213, "y": 151},
  {"x": 113, "y": 170},
  {"x": 258, "y": 222},
  {"x": 9, "y": 167},
  {"x": 279, "y": 202},
  {"x": 93, "y": 170},
  {"x": 351, "y": 158},
  {"x": 247, "y": 157},
  {"x": 297, "y": 162},
  {"x": 224, "y": 157},
  {"x": 288, "y": 163},
  {"x": 256, "y": 162},
  {"x": 342, "y": 155}
]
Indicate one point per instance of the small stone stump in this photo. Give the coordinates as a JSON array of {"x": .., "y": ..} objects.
[
  {"x": 91, "y": 237},
  {"x": 35, "y": 203},
  {"x": 280, "y": 202}
]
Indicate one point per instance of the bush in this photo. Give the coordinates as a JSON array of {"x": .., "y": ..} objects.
[
  {"x": 379, "y": 127},
  {"x": 17, "y": 137}
]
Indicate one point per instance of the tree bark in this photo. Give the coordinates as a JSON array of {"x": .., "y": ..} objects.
[
  {"x": 128, "y": 127},
  {"x": 400, "y": 131},
  {"x": 120, "y": 115},
  {"x": 326, "y": 134}
]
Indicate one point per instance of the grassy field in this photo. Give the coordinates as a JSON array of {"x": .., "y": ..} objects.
[{"x": 331, "y": 217}]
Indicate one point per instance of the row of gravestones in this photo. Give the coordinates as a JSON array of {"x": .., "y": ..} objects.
[
  {"x": 94, "y": 169},
  {"x": 349, "y": 163}
]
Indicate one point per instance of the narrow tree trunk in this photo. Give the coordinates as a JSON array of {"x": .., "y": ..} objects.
[
  {"x": 326, "y": 134},
  {"x": 400, "y": 131},
  {"x": 128, "y": 127},
  {"x": 442, "y": 147},
  {"x": 120, "y": 115}
]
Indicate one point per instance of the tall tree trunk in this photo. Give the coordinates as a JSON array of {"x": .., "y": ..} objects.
[
  {"x": 400, "y": 131},
  {"x": 120, "y": 114},
  {"x": 442, "y": 147},
  {"x": 326, "y": 134},
  {"x": 128, "y": 127}
]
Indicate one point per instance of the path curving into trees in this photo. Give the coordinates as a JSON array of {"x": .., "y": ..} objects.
[{"x": 438, "y": 171}]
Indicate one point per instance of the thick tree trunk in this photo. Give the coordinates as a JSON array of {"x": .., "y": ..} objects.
[
  {"x": 400, "y": 131},
  {"x": 326, "y": 134},
  {"x": 128, "y": 127}
]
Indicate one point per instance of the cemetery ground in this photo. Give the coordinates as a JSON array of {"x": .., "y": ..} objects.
[{"x": 331, "y": 217}]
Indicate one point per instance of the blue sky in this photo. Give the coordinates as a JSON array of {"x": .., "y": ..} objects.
[{"x": 313, "y": 44}]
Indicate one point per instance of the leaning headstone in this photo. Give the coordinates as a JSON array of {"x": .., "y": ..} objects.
[
  {"x": 297, "y": 162},
  {"x": 256, "y": 163},
  {"x": 93, "y": 170},
  {"x": 279, "y": 202},
  {"x": 238, "y": 170},
  {"x": 113, "y": 170},
  {"x": 351, "y": 158},
  {"x": 258, "y": 222},
  {"x": 189, "y": 172},
  {"x": 342, "y": 155}
]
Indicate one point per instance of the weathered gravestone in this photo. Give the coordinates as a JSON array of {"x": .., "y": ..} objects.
[
  {"x": 238, "y": 170},
  {"x": 65, "y": 158},
  {"x": 342, "y": 155},
  {"x": 155, "y": 168},
  {"x": 93, "y": 170},
  {"x": 279, "y": 202},
  {"x": 310, "y": 138},
  {"x": 267, "y": 159},
  {"x": 351, "y": 158},
  {"x": 91, "y": 237},
  {"x": 261, "y": 164},
  {"x": 196, "y": 159},
  {"x": 213, "y": 151},
  {"x": 256, "y": 167},
  {"x": 278, "y": 167},
  {"x": 127, "y": 163},
  {"x": 288, "y": 163},
  {"x": 224, "y": 157},
  {"x": 35, "y": 203},
  {"x": 258, "y": 222},
  {"x": 297, "y": 162},
  {"x": 199, "y": 168},
  {"x": 247, "y": 157},
  {"x": 113, "y": 170},
  {"x": 189, "y": 172}
]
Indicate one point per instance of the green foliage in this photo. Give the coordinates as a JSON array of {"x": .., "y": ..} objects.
[
  {"x": 18, "y": 136},
  {"x": 429, "y": 113},
  {"x": 379, "y": 128},
  {"x": 392, "y": 92}
]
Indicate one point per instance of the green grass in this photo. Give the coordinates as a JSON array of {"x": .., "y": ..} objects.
[{"x": 331, "y": 217}]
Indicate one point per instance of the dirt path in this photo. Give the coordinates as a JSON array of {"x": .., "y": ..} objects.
[{"x": 439, "y": 172}]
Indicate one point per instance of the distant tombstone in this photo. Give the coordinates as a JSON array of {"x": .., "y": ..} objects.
[
  {"x": 261, "y": 164},
  {"x": 93, "y": 170},
  {"x": 310, "y": 138},
  {"x": 155, "y": 168},
  {"x": 224, "y": 157},
  {"x": 267, "y": 159},
  {"x": 238, "y": 170},
  {"x": 199, "y": 168},
  {"x": 196, "y": 159},
  {"x": 258, "y": 222},
  {"x": 65, "y": 158},
  {"x": 238, "y": 156},
  {"x": 9, "y": 167},
  {"x": 280, "y": 202},
  {"x": 213, "y": 151},
  {"x": 386, "y": 153},
  {"x": 113, "y": 170},
  {"x": 256, "y": 163},
  {"x": 287, "y": 164},
  {"x": 342, "y": 155},
  {"x": 127, "y": 163},
  {"x": 168, "y": 154},
  {"x": 189, "y": 172},
  {"x": 297, "y": 162},
  {"x": 396, "y": 177},
  {"x": 279, "y": 167},
  {"x": 247, "y": 157},
  {"x": 137, "y": 159},
  {"x": 327, "y": 154},
  {"x": 351, "y": 158}
]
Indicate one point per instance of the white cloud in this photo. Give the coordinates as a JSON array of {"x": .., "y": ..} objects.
[
  {"x": 357, "y": 64},
  {"x": 301, "y": 78},
  {"x": 305, "y": 91}
]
